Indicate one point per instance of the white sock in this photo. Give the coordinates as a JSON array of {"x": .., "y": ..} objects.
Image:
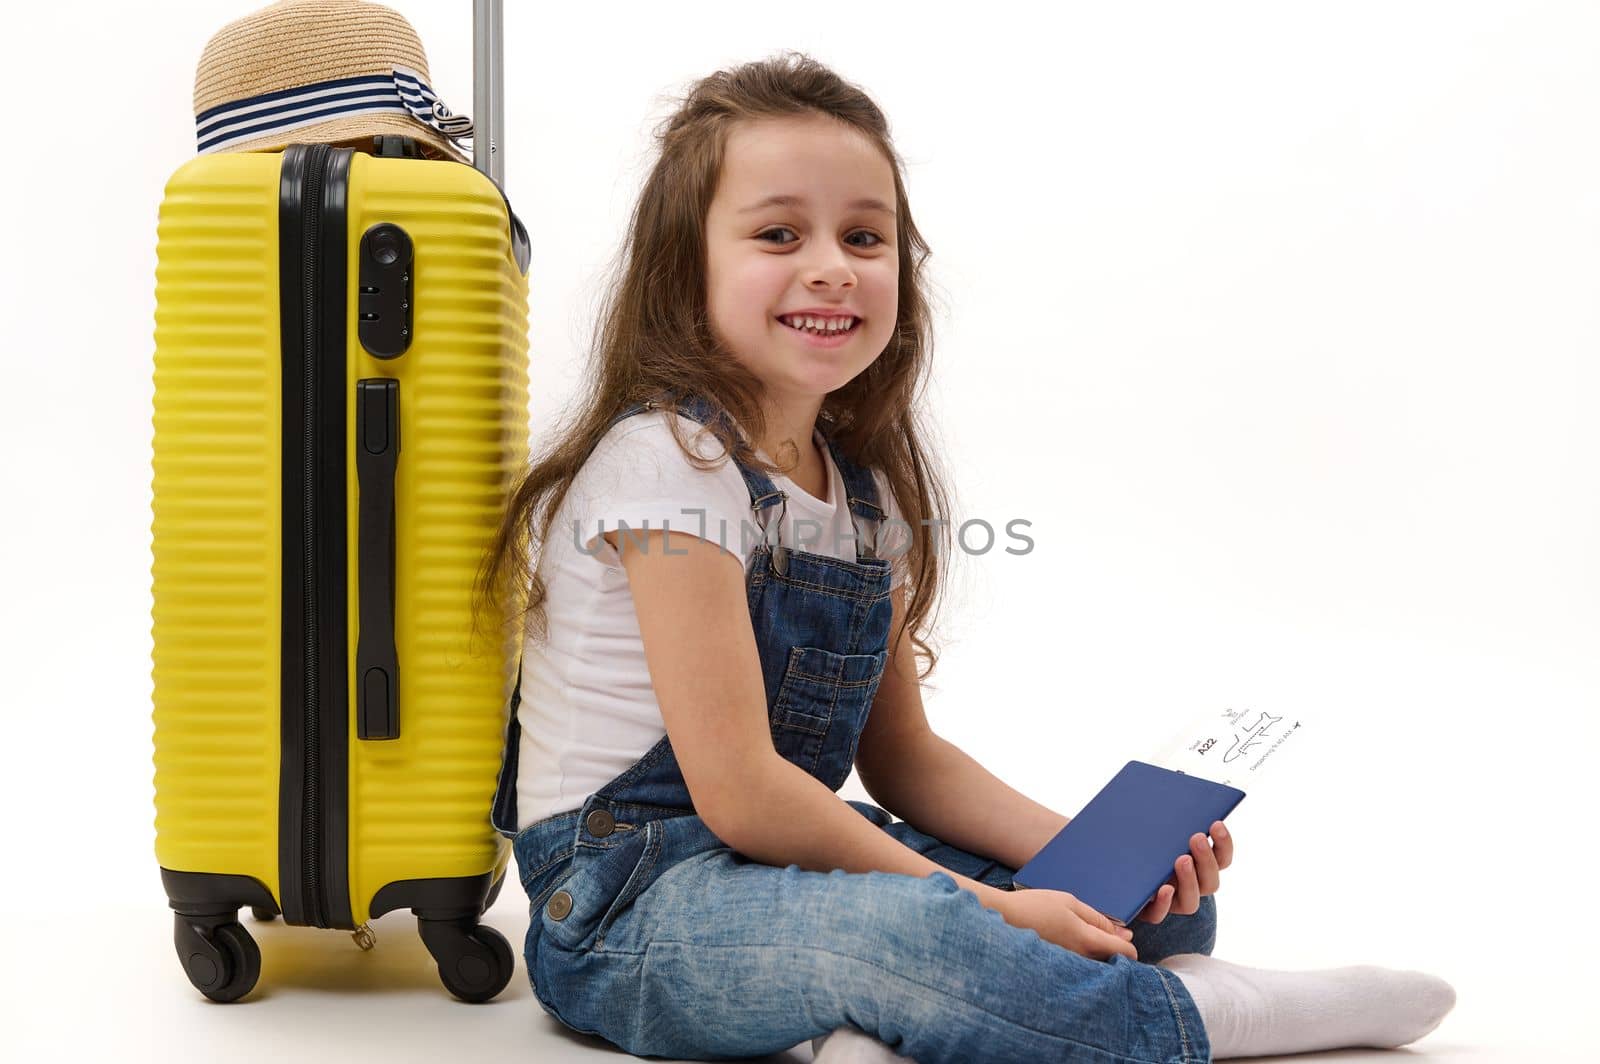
[
  {"x": 1250, "y": 1012},
  {"x": 851, "y": 1045}
]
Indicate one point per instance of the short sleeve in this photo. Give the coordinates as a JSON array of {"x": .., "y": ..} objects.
[
  {"x": 638, "y": 479},
  {"x": 894, "y": 534}
]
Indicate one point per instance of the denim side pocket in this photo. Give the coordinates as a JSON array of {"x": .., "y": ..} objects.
[
  {"x": 595, "y": 885},
  {"x": 636, "y": 881}
]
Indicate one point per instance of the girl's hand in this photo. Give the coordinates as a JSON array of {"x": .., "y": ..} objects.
[
  {"x": 1195, "y": 875},
  {"x": 1061, "y": 918}
]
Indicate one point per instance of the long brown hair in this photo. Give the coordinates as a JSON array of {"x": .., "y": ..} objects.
[{"x": 653, "y": 340}]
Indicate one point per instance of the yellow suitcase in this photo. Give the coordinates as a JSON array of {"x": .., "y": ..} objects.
[{"x": 341, "y": 399}]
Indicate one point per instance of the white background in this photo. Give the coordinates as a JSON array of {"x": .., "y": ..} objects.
[{"x": 1277, "y": 321}]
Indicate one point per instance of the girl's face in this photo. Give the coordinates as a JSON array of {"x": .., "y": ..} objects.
[{"x": 802, "y": 224}]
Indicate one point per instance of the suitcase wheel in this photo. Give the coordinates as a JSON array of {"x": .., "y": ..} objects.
[
  {"x": 475, "y": 962},
  {"x": 263, "y": 914},
  {"x": 218, "y": 955}
]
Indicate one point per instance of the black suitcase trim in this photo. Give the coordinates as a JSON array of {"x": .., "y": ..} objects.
[
  {"x": 214, "y": 893},
  {"x": 313, "y": 818},
  {"x": 439, "y": 898}
]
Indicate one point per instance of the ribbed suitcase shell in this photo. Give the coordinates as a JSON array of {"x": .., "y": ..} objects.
[{"x": 418, "y": 805}]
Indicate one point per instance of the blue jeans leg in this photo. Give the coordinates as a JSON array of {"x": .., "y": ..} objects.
[{"x": 724, "y": 957}]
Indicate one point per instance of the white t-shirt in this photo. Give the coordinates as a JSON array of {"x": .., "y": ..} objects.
[{"x": 588, "y": 710}]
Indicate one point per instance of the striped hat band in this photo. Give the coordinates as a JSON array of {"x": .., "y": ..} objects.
[{"x": 404, "y": 93}]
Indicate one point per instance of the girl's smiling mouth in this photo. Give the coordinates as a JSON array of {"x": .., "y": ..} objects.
[{"x": 822, "y": 330}]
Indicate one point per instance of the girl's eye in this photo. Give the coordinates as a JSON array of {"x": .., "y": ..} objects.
[{"x": 764, "y": 234}]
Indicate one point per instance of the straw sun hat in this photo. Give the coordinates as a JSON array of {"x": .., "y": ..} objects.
[{"x": 319, "y": 71}]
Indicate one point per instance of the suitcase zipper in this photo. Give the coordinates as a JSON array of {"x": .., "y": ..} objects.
[
  {"x": 311, "y": 268},
  {"x": 313, "y": 829}
]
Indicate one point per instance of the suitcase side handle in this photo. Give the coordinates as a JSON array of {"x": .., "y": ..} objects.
[{"x": 377, "y": 459}]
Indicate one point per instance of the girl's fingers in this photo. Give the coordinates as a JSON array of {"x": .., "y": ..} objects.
[
  {"x": 1111, "y": 944},
  {"x": 1205, "y": 864},
  {"x": 1102, "y": 944},
  {"x": 1222, "y": 844},
  {"x": 1159, "y": 906},
  {"x": 1187, "y": 901},
  {"x": 1098, "y": 920}
]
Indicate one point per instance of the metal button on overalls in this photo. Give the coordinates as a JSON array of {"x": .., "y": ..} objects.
[
  {"x": 560, "y": 905},
  {"x": 601, "y": 823}
]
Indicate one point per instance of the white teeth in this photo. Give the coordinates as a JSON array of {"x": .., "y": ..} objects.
[{"x": 821, "y": 326}]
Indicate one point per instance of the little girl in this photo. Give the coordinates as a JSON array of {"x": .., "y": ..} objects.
[{"x": 719, "y": 630}]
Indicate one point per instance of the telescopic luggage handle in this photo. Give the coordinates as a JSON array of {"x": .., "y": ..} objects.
[
  {"x": 488, "y": 87},
  {"x": 488, "y": 113}
]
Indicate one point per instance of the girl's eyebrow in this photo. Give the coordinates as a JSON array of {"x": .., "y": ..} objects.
[{"x": 787, "y": 200}]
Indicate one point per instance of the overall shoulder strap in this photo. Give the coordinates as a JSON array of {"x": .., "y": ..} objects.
[{"x": 861, "y": 487}]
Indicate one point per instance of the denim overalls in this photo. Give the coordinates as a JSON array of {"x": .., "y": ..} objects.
[{"x": 647, "y": 930}]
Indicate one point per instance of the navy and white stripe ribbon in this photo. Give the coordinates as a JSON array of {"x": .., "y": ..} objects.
[{"x": 403, "y": 92}]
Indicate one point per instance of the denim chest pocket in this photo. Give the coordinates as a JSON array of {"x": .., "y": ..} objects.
[{"x": 822, "y": 706}]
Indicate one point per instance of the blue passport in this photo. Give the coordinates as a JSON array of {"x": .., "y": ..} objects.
[{"x": 1120, "y": 849}]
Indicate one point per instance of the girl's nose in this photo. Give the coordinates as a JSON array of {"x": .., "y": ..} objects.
[
  {"x": 832, "y": 278},
  {"x": 829, "y": 272}
]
